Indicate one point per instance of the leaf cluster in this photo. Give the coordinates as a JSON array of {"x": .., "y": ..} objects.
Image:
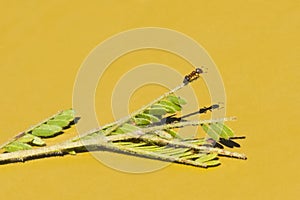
[{"x": 35, "y": 136}]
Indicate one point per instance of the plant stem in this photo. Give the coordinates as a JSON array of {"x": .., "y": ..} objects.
[
  {"x": 106, "y": 143},
  {"x": 65, "y": 148}
]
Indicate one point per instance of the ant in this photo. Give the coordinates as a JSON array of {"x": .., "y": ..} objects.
[{"x": 192, "y": 76}]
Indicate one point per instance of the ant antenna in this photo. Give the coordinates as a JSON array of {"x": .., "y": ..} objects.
[{"x": 204, "y": 69}]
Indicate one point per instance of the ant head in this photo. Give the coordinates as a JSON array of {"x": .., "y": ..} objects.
[
  {"x": 217, "y": 106},
  {"x": 199, "y": 71}
]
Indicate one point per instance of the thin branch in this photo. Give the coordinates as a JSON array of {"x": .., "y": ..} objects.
[{"x": 65, "y": 148}]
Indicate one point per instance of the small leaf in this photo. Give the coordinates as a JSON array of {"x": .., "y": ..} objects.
[
  {"x": 46, "y": 130},
  {"x": 173, "y": 133},
  {"x": 26, "y": 138},
  {"x": 172, "y": 151},
  {"x": 212, "y": 163},
  {"x": 182, "y": 101},
  {"x": 157, "y": 111},
  {"x": 188, "y": 153},
  {"x": 38, "y": 141},
  {"x": 210, "y": 132},
  {"x": 193, "y": 156},
  {"x": 225, "y": 128},
  {"x": 200, "y": 141},
  {"x": 207, "y": 157},
  {"x": 29, "y": 138},
  {"x": 149, "y": 147},
  {"x": 176, "y": 100},
  {"x": 17, "y": 146},
  {"x": 168, "y": 108},
  {"x": 72, "y": 152},
  {"x": 219, "y": 131},
  {"x": 164, "y": 135},
  {"x": 171, "y": 104},
  {"x": 64, "y": 117},
  {"x": 179, "y": 152},
  {"x": 118, "y": 131},
  {"x": 141, "y": 121},
  {"x": 152, "y": 118},
  {"x": 159, "y": 148},
  {"x": 61, "y": 123},
  {"x": 68, "y": 112},
  {"x": 128, "y": 128}
]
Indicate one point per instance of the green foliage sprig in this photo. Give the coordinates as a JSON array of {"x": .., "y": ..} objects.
[{"x": 145, "y": 133}]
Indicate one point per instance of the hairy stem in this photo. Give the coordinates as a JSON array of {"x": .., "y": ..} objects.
[{"x": 64, "y": 148}]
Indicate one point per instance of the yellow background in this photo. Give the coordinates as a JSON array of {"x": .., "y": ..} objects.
[{"x": 255, "y": 45}]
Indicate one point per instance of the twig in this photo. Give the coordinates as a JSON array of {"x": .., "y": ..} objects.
[{"x": 65, "y": 148}]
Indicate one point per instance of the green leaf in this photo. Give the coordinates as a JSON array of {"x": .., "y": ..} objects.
[
  {"x": 168, "y": 108},
  {"x": 26, "y": 138},
  {"x": 157, "y": 111},
  {"x": 171, "y": 104},
  {"x": 219, "y": 131},
  {"x": 179, "y": 152},
  {"x": 46, "y": 130},
  {"x": 176, "y": 100},
  {"x": 210, "y": 132},
  {"x": 163, "y": 134},
  {"x": 150, "y": 117},
  {"x": 226, "y": 129},
  {"x": 193, "y": 156},
  {"x": 188, "y": 153},
  {"x": 38, "y": 141},
  {"x": 72, "y": 152},
  {"x": 128, "y": 128},
  {"x": 200, "y": 141},
  {"x": 29, "y": 138},
  {"x": 61, "y": 123},
  {"x": 149, "y": 147},
  {"x": 68, "y": 112},
  {"x": 118, "y": 131},
  {"x": 159, "y": 148},
  {"x": 141, "y": 121},
  {"x": 182, "y": 101},
  {"x": 64, "y": 117},
  {"x": 17, "y": 146},
  {"x": 173, "y": 151},
  {"x": 212, "y": 163},
  {"x": 173, "y": 133},
  {"x": 207, "y": 157}
]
